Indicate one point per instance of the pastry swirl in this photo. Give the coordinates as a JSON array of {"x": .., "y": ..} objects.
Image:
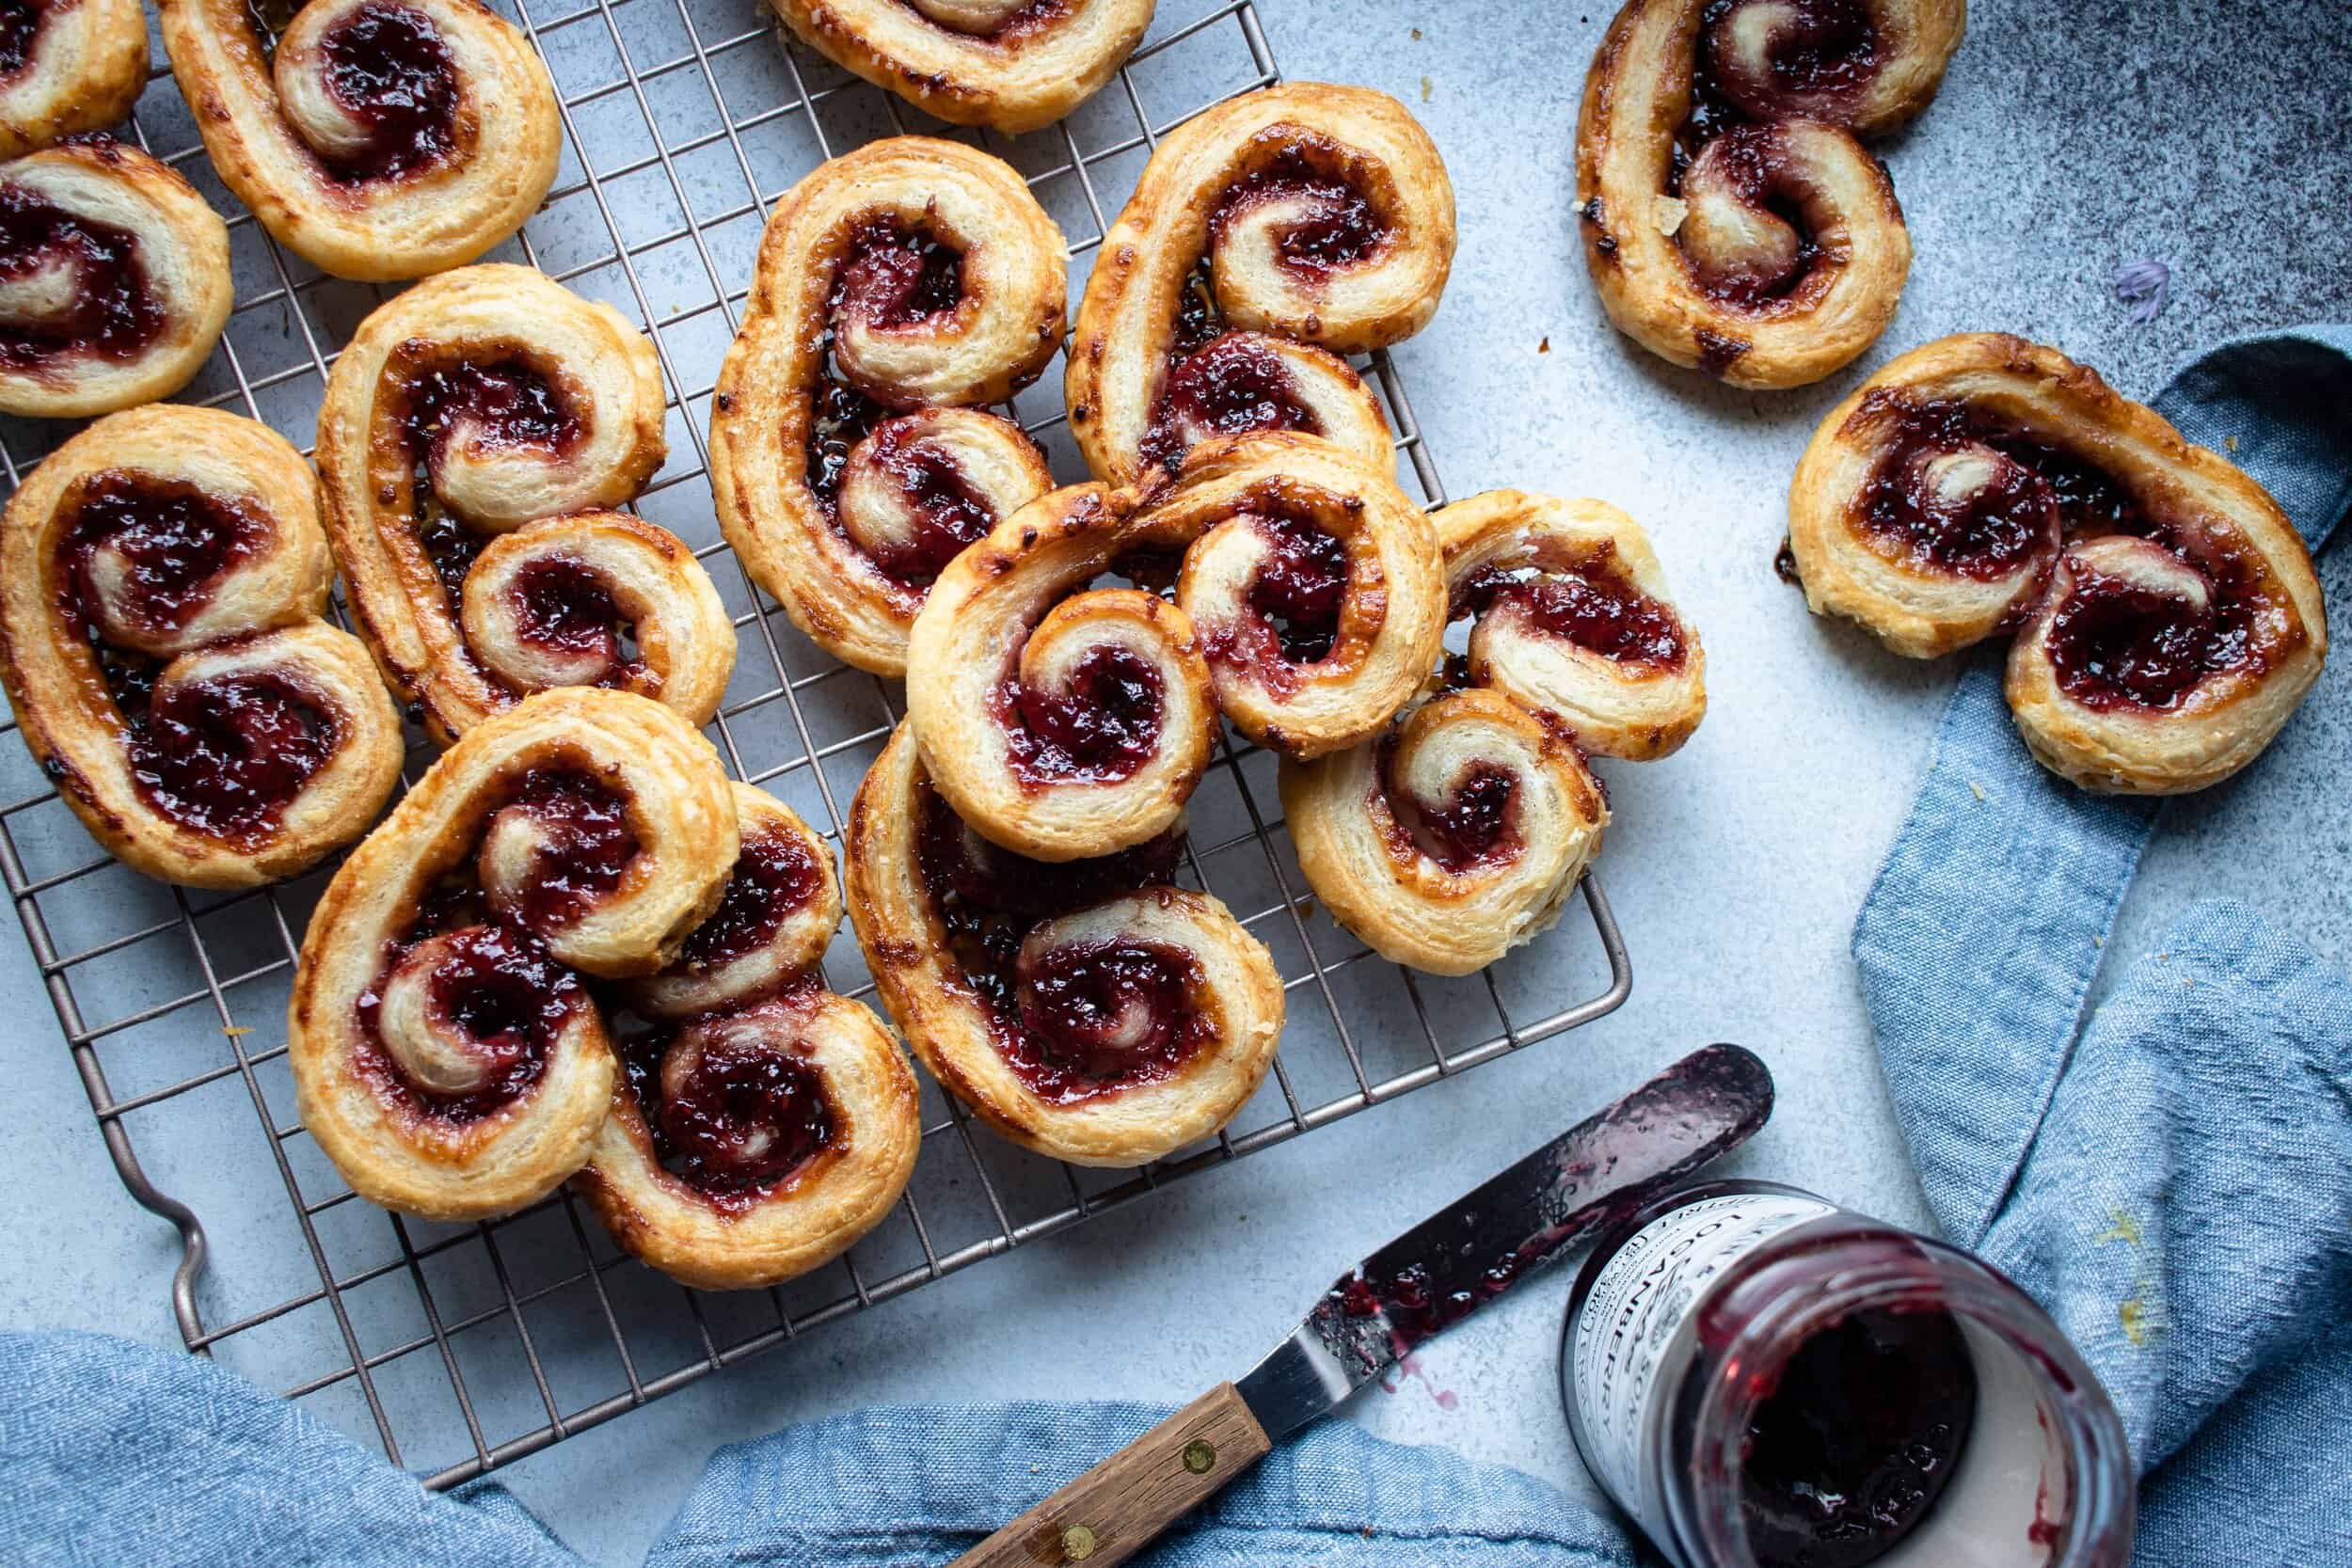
[
  {"x": 478, "y": 401},
  {"x": 1013, "y": 65},
  {"x": 1572, "y": 620},
  {"x": 384, "y": 139},
  {"x": 449, "y": 1053},
  {"x": 1323, "y": 220},
  {"x": 2168, "y": 618},
  {"x": 769, "y": 1123},
  {"x": 162, "y": 580},
  {"x": 899, "y": 288},
  {"x": 1732, "y": 220},
  {"x": 66, "y": 66},
  {"x": 1087, "y": 1010},
  {"x": 114, "y": 281}
]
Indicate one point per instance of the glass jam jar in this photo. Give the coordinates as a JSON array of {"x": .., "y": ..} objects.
[{"x": 1763, "y": 1380}]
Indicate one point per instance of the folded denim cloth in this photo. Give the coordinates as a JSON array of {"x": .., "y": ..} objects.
[{"x": 2173, "y": 1180}]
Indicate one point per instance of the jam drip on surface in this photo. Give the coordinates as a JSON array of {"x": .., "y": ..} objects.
[
  {"x": 112, "y": 311},
  {"x": 1857, "y": 1439},
  {"x": 493, "y": 407},
  {"x": 1592, "y": 607},
  {"x": 1328, "y": 226},
  {"x": 2115, "y": 644},
  {"x": 1098, "y": 1015},
  {"x": 390, "y": 69},
  {"x": 1233, "y": 385},
  {"x": 1470, "y": 827},
  {"x": 167, "y": 545},
  {"x": 897, "y": 277},
  {"x": 227, "y": 755},
  {"x": 990, "y": 899},
  {"x": 581, "y": 844},
  {"x": 567, "y": 608},
  {"x": 499, "y": 989},
  {"x": 949, "y": 513},
  {"x": 730, "y": 1113},
  {"x": 774, "y": 878},
  {"x": 1100, "y": 729}
]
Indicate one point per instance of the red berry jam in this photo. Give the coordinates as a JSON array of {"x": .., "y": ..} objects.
[
  {"x": 388, "y": 67},
  {"x": 775, "y": 877},
  {"x": 1956, "y": 492},
  {"x": 1816, "y": 48},
  {"x": 1591, "y": 605},
  {"x": 226, "y": 755},
  {"x": 897, "y": 277},
  {"x": 1100, "y": 729},
  {"x": 948, "y": 512},
  {"x": 1329, "y": 224},
  {"x": 502, "y": 992},
  {"x": 171, "y": 542},
  {"x": 2115, "y": 644},
  {"x": 582, "y": 843},
  {"x": 1860, "y": 1435},
  {"x": 732, "y": 1106},
  {"x": 1098, "y": 1016},
  {"x": 566, "y": 606},
  {"x": 1231, "y": 385},
  {"x": 113, "y": 312},
  {"x": 1473, "y": 826},
  {"x": 1301, "y": 584},
  {"x": 20, "y": 27}
]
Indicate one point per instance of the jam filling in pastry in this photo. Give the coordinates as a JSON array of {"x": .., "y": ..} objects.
[
  {"x": 471, "y": 436},
  {"x": 1088, "y": 1010},
  {"x": 899, "y": 288},
  {"x": 378, "y": 139},
  {"x": 1732, "y": 219},
  {"x": 1267, "y": 237},
  {"x": 2167, "y": 619},
  {"x": 162, "y": 582},
  {"x": 66, "y": 66},
  {"x": 114, "y": 279}
]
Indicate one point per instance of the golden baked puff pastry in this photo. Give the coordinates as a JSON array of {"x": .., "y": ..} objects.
[
  {"x": 67, "y": 68},
  {"x": 379, "y": 139},
  {"x": 1011, "y": 65},
  {"x": 2168, "y": 618},
  {"x": 114, "y": 281},
  {"x": 1732, "y": 219},
  {"x": 470, "y": 437},
  {"x": 162, "y": 580},
  {"x": 1459, "y": 833},
  {"x": 764, "y": 1124},
  {"x": 1267, "y": 237},
  {"x": 449, "y": 1053},
  {"x": 1089, "y": 1011},
  {"x": 898, "y": 289}
]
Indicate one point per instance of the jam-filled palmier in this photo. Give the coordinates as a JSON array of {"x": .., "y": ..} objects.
[
  {"x": 67, "y": 67},
  {"x": 900, "y": 289},
  {"x": 379, "y": 139},
  {"x": 1732, "y": 219},
  {"x": 1090, "y": 1010},
  {"x": 2167, "y": 618},
  {"x": 1267, "y": 237},
  {"x": 451, "y": 1053},
  {"x": 471, "y": 435},
  {"x": 162, "y": 582}
]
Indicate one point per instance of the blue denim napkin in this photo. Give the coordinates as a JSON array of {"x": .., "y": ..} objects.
[{"x": 2172, "y": 1180}]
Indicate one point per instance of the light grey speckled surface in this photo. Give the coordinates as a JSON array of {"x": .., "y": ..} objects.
[{"x": 2069, "y": 138}]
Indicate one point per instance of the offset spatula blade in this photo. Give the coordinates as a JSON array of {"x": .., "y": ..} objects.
[{"x": 1477, "y": 1248}]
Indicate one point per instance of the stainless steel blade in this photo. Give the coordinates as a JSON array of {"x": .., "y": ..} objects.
[{"x": 1474, "y": 1249}]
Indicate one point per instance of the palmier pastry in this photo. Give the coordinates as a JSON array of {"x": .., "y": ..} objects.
[
  {"x": 2168, "y": 619},
  {"x": 66, "y": 66},
  {"x": 1267, "y": 237},
  {"x": 382, "y": 139},
  {"x": 1087, "y": 1010},
  {"x": 1572, "y": 620},
  {"x": 899, "y": 288},
  {"x": 771, "y": 1123},
  {"x": 1013, "y": 65},
  {"x": 162, "y": 576},
  {"x": 1062, "y": 725},
  {"x": 470, "y": 406},
  {"x": 114, "y": 281},
  {"x": 449, "y": 1053},
  {"x": 1732, "y": 218}
]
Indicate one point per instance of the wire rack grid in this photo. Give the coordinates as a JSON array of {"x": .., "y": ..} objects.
[{"x": 461, "y": 1348}]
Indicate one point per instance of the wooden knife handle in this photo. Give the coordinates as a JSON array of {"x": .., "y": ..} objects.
[{"x": 1122, "y": 1505}]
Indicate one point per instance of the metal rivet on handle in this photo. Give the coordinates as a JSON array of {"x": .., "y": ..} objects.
[
  {"x": 1078, "y": 1542},
  {"x": 1199, "y": 1456}
]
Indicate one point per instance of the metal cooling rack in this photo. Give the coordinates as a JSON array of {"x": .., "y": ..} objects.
[{"x": 460, "y": 1347}]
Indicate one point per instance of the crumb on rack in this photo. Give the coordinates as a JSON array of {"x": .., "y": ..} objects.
[{"x": 1425, "y": 89}]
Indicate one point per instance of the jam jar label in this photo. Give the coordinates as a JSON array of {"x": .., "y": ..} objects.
[{"x": 1641, "y": 1297}]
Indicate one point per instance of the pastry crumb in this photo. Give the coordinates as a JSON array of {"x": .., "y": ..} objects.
[
  {"x": 1416, "y": 35},
  {"x": 1977, "y": 789},
  {"x": 2230, "y": 441},
  {"x": 1425, "y": 89},
  {"x": 1543, "y": 347},
  {"x": 1668, "y": 212},
  {"x": 237, "y": 1031}
]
